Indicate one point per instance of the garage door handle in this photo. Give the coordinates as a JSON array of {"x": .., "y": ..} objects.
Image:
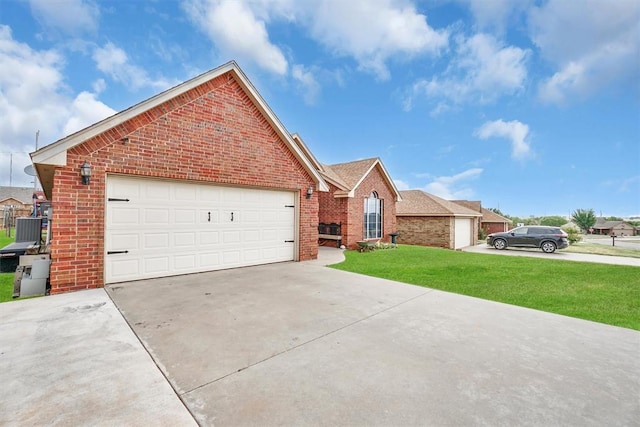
[
  {"x": 289, "y": 241},
  {"x": 111, "y": 199},
  {"x": 117, "y": 252}
]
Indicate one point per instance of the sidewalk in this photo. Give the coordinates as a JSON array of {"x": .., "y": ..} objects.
[{"x": 72, "y": 360}]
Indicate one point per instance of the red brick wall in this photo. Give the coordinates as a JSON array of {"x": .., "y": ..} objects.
[
  {"x": 212, "y": 133},
  {"x": 436, "y": 231},
  {"x": 494, "y": 227}
]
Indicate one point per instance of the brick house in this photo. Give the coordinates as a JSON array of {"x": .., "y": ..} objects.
[
  {"x": 428, "y": 220},
  {"x": 360, "y": 204},
  {"x": 16, "y": 202},
  {"x": 200, "y": 177},
  {"x": 613, "y": 228},
  {"x": 491, "y": 222}
]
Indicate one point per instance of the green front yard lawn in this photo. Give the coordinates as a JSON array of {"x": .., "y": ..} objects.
[{"x": 603, "y": 293}]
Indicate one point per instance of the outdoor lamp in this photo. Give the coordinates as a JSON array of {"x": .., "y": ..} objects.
[
  {"x": 309, "y": 191},
  {"x": 85, "y": 173}
]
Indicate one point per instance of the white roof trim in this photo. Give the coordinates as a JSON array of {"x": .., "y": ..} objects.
[
  {"x": 55, "y": 154},
  {"x": 386, "y": 176}
]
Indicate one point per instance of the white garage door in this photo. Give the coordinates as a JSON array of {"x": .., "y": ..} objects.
[
  {"x": 463, "y": 232},
  {"x": 160, "y": 228}
]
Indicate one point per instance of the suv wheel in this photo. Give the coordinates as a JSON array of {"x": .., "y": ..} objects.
[
  {"x": 548, "y": 247},
  {"x": 499, "y": 244}
]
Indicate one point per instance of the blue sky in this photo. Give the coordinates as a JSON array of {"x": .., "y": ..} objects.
[{"x": 529, "y": 106}]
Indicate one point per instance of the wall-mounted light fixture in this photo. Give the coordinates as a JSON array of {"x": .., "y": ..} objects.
[
  {"x": 309, "y": 191},
  {"x": 85, "y": 173}
]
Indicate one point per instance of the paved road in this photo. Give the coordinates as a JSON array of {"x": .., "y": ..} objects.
[
  {"x": 621, "y": 242},
  {"x": 557, "y": 255}
]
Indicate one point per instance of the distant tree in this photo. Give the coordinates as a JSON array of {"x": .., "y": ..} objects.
[
  {"x": 584, "y": 218},
  {"x": 532, "y": 220},
  {"x": 553, "y": 221},
  {"x": 613, "y": 218}
]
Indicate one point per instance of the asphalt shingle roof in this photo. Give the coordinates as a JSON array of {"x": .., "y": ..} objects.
[
  {"x": 419, "y": 203},
  {"x": 349, "y": 173}
]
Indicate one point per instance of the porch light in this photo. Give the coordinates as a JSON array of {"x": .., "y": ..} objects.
[
  {"x": 309, "y": 191},
  {"x": 85, "y": 173}
]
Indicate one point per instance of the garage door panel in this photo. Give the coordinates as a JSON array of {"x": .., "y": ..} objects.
[
  {"x": 156, "y": 264},
  {"x": 156, "y": 216},
  {"x": 124, "y": 269},
  {"x": 123, "y": 241},
  {"x": 208, "y": 238},
  {"x": 125, "y": 216},
  {"x": 156, "y": 241},
  {"x": 185, "y": 262},
  {"x": 155, "y": 190},
  {"x": 191, "y": 227},
  {"x": 184, "y": 239},
  {"x": 210, "y": 260}
]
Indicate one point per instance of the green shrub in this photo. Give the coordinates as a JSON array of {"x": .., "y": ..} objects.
[{"x": 574, "y": 235}]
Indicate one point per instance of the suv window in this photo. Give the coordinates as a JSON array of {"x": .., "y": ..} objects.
[
  {"x": 538, "y": 231},
  {"x": 521, "y": 231}
]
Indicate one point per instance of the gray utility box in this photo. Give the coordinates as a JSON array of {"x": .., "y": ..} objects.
[{"x": 32, "y": 275}]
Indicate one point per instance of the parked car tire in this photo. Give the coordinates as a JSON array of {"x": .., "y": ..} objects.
[
  {"x": 548, "y": 247},
  {"x": 499, "y": 244}
]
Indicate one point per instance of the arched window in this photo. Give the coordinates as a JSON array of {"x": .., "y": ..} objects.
[{"x": 373, "y": 217}]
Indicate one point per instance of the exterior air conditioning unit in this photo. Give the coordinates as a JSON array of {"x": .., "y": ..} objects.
[{"x": 29, "y": 230}]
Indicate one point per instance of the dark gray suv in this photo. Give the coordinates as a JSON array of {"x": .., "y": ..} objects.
[{"x": 530, "y": 236}]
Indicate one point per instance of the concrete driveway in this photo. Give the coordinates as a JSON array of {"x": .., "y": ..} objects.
[{"x": 301, "y": 344}]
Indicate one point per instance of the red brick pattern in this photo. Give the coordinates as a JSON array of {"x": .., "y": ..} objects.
[
  {"x": 212, "y": 133},
  {"x": 350, "y": 210}
]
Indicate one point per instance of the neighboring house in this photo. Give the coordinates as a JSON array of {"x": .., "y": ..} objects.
[
  {"x": 360, "y": 204},
  {"x": 200, "y": 177},
  {"x": 613, "y": 228},
  {"x": 16, "y": 202},
  {"x": 428, "y": 220},
  {"x": 491, "y": 222}
]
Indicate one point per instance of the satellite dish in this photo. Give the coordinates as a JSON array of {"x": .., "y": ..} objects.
[{"x": 29, "y": 170}]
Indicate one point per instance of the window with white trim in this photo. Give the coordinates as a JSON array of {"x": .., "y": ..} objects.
[{"x": 373, "y": 217}]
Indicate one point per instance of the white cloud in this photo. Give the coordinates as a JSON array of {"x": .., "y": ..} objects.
[
  {"x": 34, "y": 97},
  {"x": 454, "y": 187},
  {"x": 373, "y": 32},
  {"x": 593, "y": 44},
  {"x": 483, "y": 70},
  {"x": 114, "y": 62},
  {"x": 86, "y": 110},
  {"x": 237, "y": 32},
  {"x": 68, "y": 16},
  {"x": 516, "y": 132},
  {"x": 496, "y": 14},
  {"x": 31, "y": 92},
  {"x": 307, "y": 82}
]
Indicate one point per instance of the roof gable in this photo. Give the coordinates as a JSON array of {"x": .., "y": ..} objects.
[
  {"x": 348, "y": 176},
  {"x": 55, "y": 154},
  {"x": 420, "y": 203}
]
